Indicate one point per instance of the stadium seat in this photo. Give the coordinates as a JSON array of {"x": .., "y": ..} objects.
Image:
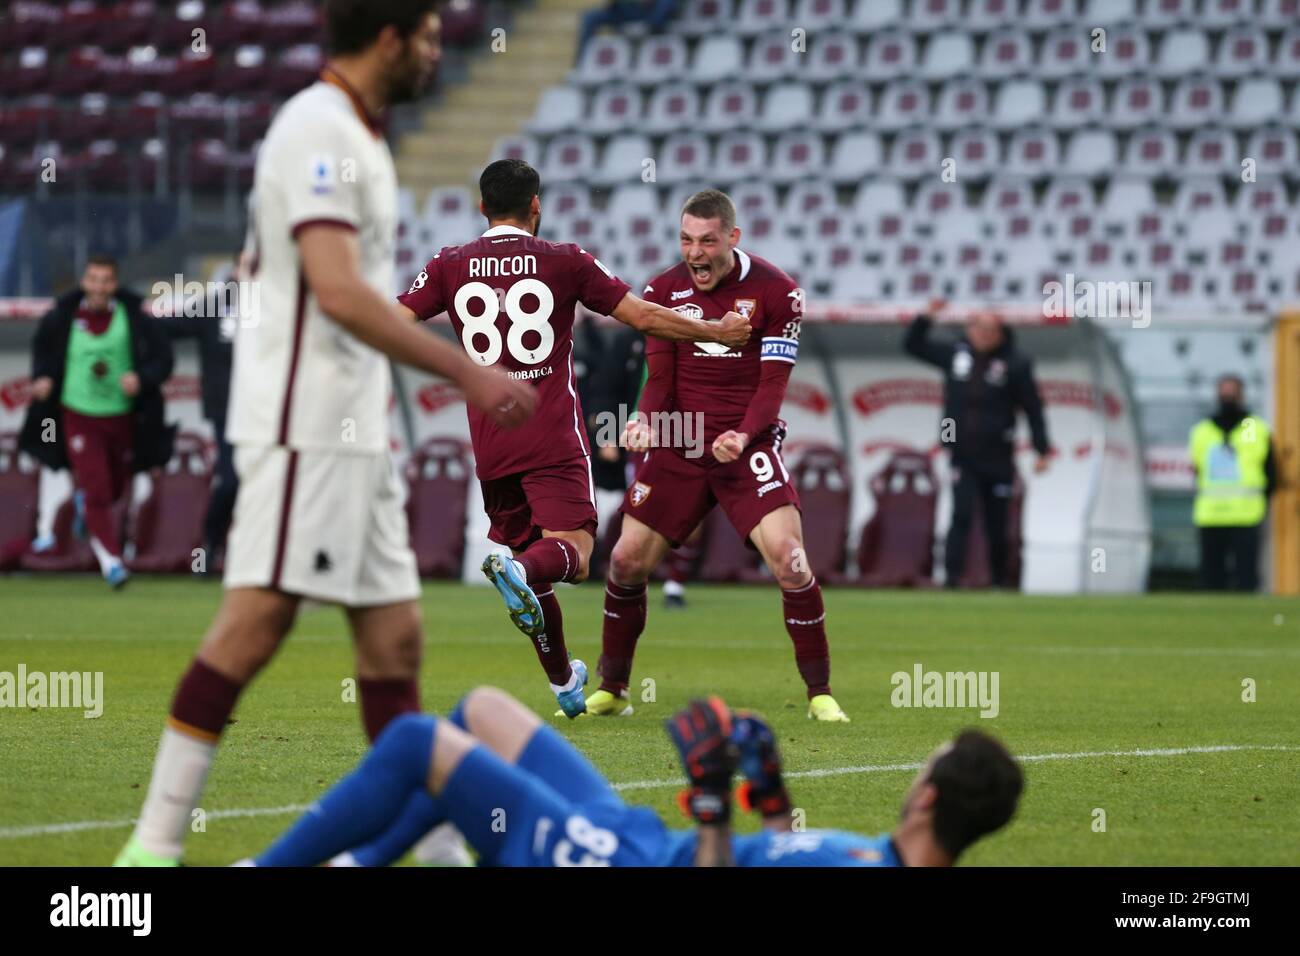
[
  {"x": 1065, "y": 52},
  {"x": 1047, "y": 14},
  {"x": 607, "y": 59},
  {"x": 723, "y": 555},
  {"x": 614, "y": 108},
  {"x": 1128, "y": 53},
  {"x": 815, "y": 15},
  {"x": 871, "y": 17},
  {"x": 854, "y": 156},
  {"x": 1137, "y": 101},
  {"x": 1126, "y": 196},
  {"x": 703, "y": 17},
  {"x": 1079, "y": 101},
  {"x": 842, "y": 106},
  {"x": 1212, "y": 151},
  {"x": 730, "y": 105},
  {"x": 797, "y": 155},
  {"x": 1105, "y": 13},
  {"x": 1256, "y": 102},
  {"x": 168, "y": 526},
  {"x": 1006, "y": 53},
  {"x": 1274, "y": 150},
  {"x": 809, "y": 198},
  {"x": 1199, "y": 195},
  {"x": 986, "y": 15},
  {"x": 821, "y": 476},
  {"x": 1163, "y": 14},
  {"x": 832, "y": 56},
  {"x": 962, "y": 103},
  {"x": 1007, "y": 197},
  {"x": 890, "y": 54},
  {"x": 928, "y": 16},
  {"x": 1198, "y": 101},
  {"x": 1032, "y": 152},
  {"x": 1243, "y": 51},
  {"x": 977, "y": 153},
  {"x": 567, "y": 199},
  {"x": 896, "y": 548},
  {"x": 1182, "y": 52},
  {"x": 916, "y": 154},
  {"x": 624, "y": 159},
  {"x": 754, "y": 197},
  {"x": 1277, "y": 14},
  {"x": 684, "y": 156},
  {"x": 754, "y": 17},
  {"x": 740, "y": 155},
  {"x": 560, "y": 109},
  {"x": 20, "y": 491},
  {"x": 1019, "y": 103},
  {"x": 1225, "y": 13},
  {"x": 785, "y": 106},
  {"x": 659, "y": 57},
  {"x": 437, "y": 479},
  {"x": 1151, "y": 152},
  {"x": 571, "y": 156},
  {"x": 718, "y": 57},
  {"x": 672, "y": 106},
  {"x": 772, "y": 57},
  {"x": 948, "y": 55},
  {"x": 1091, "y": 152},
  {"x": 878, "y": 209},
  {"x": 903, "y": 103},
  {"x": 518, "y": 147}
]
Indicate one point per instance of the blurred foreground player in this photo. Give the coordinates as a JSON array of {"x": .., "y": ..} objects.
[
  {"x": 319, "y": 511},
  {"x": 736, "y": 393},
  {"x": 511, "y": 297},
  {"x": 493, "y": 762}
]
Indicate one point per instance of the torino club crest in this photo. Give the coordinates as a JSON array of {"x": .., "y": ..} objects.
[{"x": 640, "y": 492}]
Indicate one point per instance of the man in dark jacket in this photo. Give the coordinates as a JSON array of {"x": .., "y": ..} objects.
[
  {"x": 98, "y": 365},
  {"x": 985, "y": 380}
]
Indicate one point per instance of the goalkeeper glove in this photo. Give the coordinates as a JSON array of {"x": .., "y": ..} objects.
[
  {"x": 702, "y": 734},
  {"x": 760, "y": 762}
]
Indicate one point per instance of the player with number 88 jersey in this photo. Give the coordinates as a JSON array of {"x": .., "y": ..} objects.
[{"x": 511, "y": 298}]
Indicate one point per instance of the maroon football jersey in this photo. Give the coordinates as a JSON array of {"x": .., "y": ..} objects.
[
  {"x": 511, "y": 299},
  {"x": 712, "y": 378}
]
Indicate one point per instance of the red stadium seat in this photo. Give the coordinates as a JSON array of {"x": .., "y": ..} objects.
[
  {"x": 168, "y": 526},
  {"x": 438, "y": 477},
  {"x": 724, "y": 556},
  {"x": 20, "y": 491},
  {"x": 897, "y": 544},
  {"x": 821, "y": 476}
]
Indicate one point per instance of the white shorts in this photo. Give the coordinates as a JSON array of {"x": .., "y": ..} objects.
[{"x": 322, "y": 525}]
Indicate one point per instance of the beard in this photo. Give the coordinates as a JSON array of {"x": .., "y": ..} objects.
[{"x": 409, "y": 81}]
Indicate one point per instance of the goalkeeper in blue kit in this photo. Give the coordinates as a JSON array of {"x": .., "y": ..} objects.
[{"x": 522, "y": 795}]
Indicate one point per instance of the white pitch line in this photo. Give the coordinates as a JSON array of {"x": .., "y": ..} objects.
[{"x": 46, "y": 829}]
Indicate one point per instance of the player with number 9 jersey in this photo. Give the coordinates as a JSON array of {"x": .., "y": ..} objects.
[{"x": 512, "y": 298}]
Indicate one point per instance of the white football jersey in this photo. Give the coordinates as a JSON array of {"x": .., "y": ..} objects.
[{"x": 300, "y": 380}]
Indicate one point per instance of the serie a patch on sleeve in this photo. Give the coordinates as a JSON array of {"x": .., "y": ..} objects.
[{"x": 778, "y": 349}]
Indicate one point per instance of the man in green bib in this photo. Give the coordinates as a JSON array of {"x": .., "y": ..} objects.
[
  {"x": 98, "y": 366},
  {"x": 1232, "y": 452}
]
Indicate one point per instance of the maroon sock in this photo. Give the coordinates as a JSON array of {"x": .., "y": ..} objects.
[
  {"x": 548, "y": 560},
  {"x": 681, "y": 562},
  {"x": 384, "y": 698},
  {"x": 624, "y": 622},
  {"x": 550, "y": 643},
  {"x": 805, "y": 622},
  {"x": 203, "y": 702}
]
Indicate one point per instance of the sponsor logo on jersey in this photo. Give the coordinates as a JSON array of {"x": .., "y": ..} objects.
[
  {"x": 322, "y": 174},
  {"x": 640, "y": 492},
  {"x": 770, "y": 486},
  {"x": 683, "y": 294}
]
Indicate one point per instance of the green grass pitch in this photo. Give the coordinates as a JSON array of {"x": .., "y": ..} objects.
[{"x": 1086, "y": 685}]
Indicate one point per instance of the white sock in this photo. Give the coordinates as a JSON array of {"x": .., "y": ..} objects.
[
  {"x": 572, "y": 683},
  {"x": 674, "y": 589},
  {"x": 179, "y": 772},
  {"x": 442, "y": 846},
  {"x": 523, "y": 571},
  {"x": 105, "y": 559}
]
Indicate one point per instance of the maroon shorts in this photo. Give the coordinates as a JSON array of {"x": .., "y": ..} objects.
[
  {"x": 672, "y": 494},
  {"x": 554, "y": 498}
]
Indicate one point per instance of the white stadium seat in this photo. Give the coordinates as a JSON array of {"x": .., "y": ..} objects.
[
  {"x": 903, "y": 103},
  {"x": 606, "y": 59},
  {"x": 1007, "y": 197},
  {"x": 1151, "y": 152},
  {"x": 1065, "y": 52},
  {"x": 741, "y": 154},
  {"x": 809, "y": 198},
  {"x": 1033, "y": 152},
  {"x": 1019, "y": 103},
  {"x": 614, "y": 108},
  {"x": 1225, "y": 13},
  {"x": 633, "y": 199},
  {"x": 755, "y": 16},
  {"x": 928, "y": 16},
  {"x": 560, "y": 108},
  {"x": 1045, "y": 14},
  {"x": 1242, "y": 51},
  {"x": 1182, "y": 52},
  {"x": 518, "y": 147},
  {"x": 1212, "y": 151},
  {"x": 1256, "y": 102},
  {"x": 1278, "y": 14},
  {"x": 718, "y": 57},
  {"x": 773, "y": 57},
  {"x": 842, "y": 106},
  {"x": 870, "y": 16},
  {"x": 916, "y": 154},
  {"x": 730, "y": 105},
  {"x": 855, "y": 156},
  {"x": 754, "y": 197},
  {"x": 1163, "y": 14},
  {"x": 660, "y": 58},
  {"x": 623, "y": 160},
  {"x": 1200, "y": 195},
  {"x": 1104, "y": 13},
  {"x": 1286, "y": 58},
  {"x": 1007, "y": 52},
  {"x": 566, "y": 199},
  {"x": 962, "y": 102},
  {"x": 1274, "y": 151},
  {"x": 814, "y": 15},
  {"x": 831, "y": 56},
  {"x": 1128, "y": 52},
  {"x": 983, "y": 15},
  {"x": 785, "y": 106},
  {"x": 1079, "y": 101},
  {"x": 684, "y": 156},
  {"x": 1069, "y": 194},
  {"x": 976, "y": 151},
  {"x": 890, "y": 54},
  {"x": 797, "y": 155},
  {"x": 1093, "y": 152},
  {"x": 702, "y": 17},
  {"x": 673, "y": 105},
  {"x": 1136, "y": 101},
  {"x": 1197, "y": 101},
  {"x": 948, "y": 55}
]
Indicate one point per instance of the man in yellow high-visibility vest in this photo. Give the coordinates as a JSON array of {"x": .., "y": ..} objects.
[{"x": 1232, "y": 452}]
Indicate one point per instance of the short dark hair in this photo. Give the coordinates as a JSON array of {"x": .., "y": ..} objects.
[
  {"x": 712, "y": 204},
  {"x": 979, "y": 785},
  {"x": 1231, "y": 377},
  {"x": 102, "y": 259},
  {"x": 507, "y": 188},
  {"x": 353, "y": 25}
]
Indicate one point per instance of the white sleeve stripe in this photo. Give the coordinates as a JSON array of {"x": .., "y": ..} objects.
[
  {"x": 779, "y": 338},
  {"x": 776, "y": 358}
]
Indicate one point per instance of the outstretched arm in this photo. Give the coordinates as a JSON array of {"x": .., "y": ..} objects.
[
  {"x": 663, "y": 323},
  {"x": 917, "y": 341},
  {"x": 702, "y": 734}
]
